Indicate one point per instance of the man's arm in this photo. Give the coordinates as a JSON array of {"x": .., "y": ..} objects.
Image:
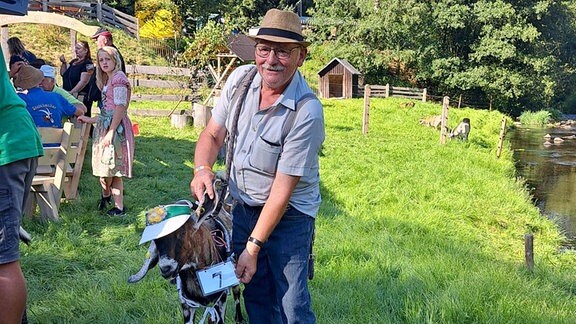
[
  {"x": 207, "y": 147},
  {"x": 273, "y": 210}
]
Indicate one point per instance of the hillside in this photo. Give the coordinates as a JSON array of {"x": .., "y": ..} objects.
[{"x": 49, "y": 42}]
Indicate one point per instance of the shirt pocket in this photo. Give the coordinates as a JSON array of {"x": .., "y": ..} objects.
[{"x": 265, "y": 154}]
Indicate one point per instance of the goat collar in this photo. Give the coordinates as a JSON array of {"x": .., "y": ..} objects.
[{"x": 209, "y": 310}]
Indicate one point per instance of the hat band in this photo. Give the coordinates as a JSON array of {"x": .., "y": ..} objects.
[{"x": 280, "y": 33}]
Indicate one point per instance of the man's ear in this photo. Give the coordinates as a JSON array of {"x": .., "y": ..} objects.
[{"x": 302, "y": 56}]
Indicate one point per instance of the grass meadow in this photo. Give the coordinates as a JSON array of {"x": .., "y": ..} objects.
[{"x": 409, "y": 231}]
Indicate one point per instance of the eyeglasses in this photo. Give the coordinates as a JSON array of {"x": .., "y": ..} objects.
[{"x": 281, "y": 53}]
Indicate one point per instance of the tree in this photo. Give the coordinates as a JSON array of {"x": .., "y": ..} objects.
[{"x": 516, "y": 54}]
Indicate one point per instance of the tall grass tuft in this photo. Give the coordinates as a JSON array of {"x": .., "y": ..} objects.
[
  {"x": 539, "y": 118},
  {"x": 409, "y": 230}
]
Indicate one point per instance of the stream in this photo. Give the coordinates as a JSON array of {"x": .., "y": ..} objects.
[{"x": 550, "y": 172}]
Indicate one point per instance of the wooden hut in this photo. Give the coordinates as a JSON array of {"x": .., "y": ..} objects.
[{"x": 338, "y": 79}]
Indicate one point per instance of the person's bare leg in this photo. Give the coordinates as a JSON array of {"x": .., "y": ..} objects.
[
  {"x": 106, "y": 184},
  {"x": 118, "y": 192},
  {"x": 12, "y": 293}
]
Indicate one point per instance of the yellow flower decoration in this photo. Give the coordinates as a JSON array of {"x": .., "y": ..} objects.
[{"x": 155, "y": 215}]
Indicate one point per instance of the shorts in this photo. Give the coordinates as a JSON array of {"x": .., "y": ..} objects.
[{"x": 15, "y": 181}]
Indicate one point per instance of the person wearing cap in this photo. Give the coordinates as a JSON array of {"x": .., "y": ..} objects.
[
  {"x": 46, "y": 108},
  {"x": 103, "y": 38},
  {"x": 49, "y": 84},
  {"x": 20, "y": 146},
  {"x": 274, "y": 176}
]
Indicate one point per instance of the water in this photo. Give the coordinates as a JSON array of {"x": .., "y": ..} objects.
[{"x": 550, "y": 172}]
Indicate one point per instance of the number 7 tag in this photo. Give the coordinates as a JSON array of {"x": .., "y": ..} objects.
[{"x": 217, "y": 278}]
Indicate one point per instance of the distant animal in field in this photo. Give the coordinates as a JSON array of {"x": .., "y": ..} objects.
[
  {"x": 462, "y": 130},
  {"x": 432, "y": 121},
  {"x": 408, "y": 104}
]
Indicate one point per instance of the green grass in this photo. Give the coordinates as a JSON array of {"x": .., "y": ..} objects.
[
  {"x": 409, "y": 231},
  {"x": 539, "y": 118}
]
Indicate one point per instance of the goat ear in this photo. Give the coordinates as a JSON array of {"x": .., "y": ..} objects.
[{"x": 149, "y": 263}]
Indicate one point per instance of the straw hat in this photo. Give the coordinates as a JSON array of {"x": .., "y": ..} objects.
[
  {"x": 281, "y": 27},
  {"x": 28, "y": 77}
]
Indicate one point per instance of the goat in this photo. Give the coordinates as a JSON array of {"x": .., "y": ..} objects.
[
  {"x": 201, "y": 241},
  {"x": 462, "y": 130},
  {"x": 408, "y": 104},
  {"x": 432, "y": 121}
]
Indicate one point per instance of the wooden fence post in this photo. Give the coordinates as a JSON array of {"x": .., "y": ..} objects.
[
  {"x": 529, "y": 251},
  {"x": 99, "y": 11},
  {"x": 459, "y": 101},
  {"x": 501, "y": 139},
  {"x": 444, "y": 123},
  {"x": 424, "y": 94},
  {"x": 366, "y": 118},
  {"x": 387, "y": 94}
]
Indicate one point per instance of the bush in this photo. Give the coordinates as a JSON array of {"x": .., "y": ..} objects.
[{"x": 541, "y": 117}]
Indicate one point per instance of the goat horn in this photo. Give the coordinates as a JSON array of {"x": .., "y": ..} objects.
[{"x": 149, "y": 263}]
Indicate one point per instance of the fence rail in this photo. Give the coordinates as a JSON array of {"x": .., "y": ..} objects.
[
  {"x": 146, "y": 76},
  {"x": 96, "y": 10},
  {"x": 391, "y": 91}
]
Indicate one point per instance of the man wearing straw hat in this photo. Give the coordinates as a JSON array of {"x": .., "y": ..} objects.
[
  {"x": 46, "y": 108},
  {"x": 274, "y": 176}
]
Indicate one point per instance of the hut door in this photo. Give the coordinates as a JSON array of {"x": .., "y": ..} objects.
[{"x": 335, "y": 85}]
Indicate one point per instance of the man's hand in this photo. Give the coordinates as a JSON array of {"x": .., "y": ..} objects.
[
  {"x": 201, "y": 183},
  {"x": 247, "y": 262}
]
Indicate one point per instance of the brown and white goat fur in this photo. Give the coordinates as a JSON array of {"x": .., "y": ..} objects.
[{"x": 190, "y": 248}]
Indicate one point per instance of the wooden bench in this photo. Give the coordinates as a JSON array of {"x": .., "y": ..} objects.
[{"x": 59, "y": 169}]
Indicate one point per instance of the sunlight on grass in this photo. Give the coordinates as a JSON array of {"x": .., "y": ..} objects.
[{"x": 409, "y": 231}]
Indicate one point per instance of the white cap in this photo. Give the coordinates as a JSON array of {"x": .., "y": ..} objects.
[{"x": 48, "y": 71}]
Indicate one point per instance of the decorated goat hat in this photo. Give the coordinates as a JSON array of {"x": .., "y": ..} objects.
[
  {"x": 281, "y": 26},
  {"x": 165, "y": 219}
]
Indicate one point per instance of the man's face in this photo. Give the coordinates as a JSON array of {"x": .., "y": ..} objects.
[
  {"x": 277, "y": 63},
  {"x": 101, "y": 41},
  {"x": 47, "y": 84}
]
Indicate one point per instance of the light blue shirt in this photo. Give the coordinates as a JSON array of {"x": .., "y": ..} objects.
[{"x": 260, "y": 151}]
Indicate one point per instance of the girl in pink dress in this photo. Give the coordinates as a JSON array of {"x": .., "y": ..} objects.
[{"x": 113, "y": 138}]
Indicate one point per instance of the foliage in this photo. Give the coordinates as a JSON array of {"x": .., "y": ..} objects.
[
  {"x": 517, "y": 54},
  {"x": 126, "y": 6},
  {"x": 158, "y": 19},
  {"x": 409, "y": 231},
  {"x": 540, "y": 118},
  {"x": 207, "y": 42},
  {"x": 161, "y": 26}
]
